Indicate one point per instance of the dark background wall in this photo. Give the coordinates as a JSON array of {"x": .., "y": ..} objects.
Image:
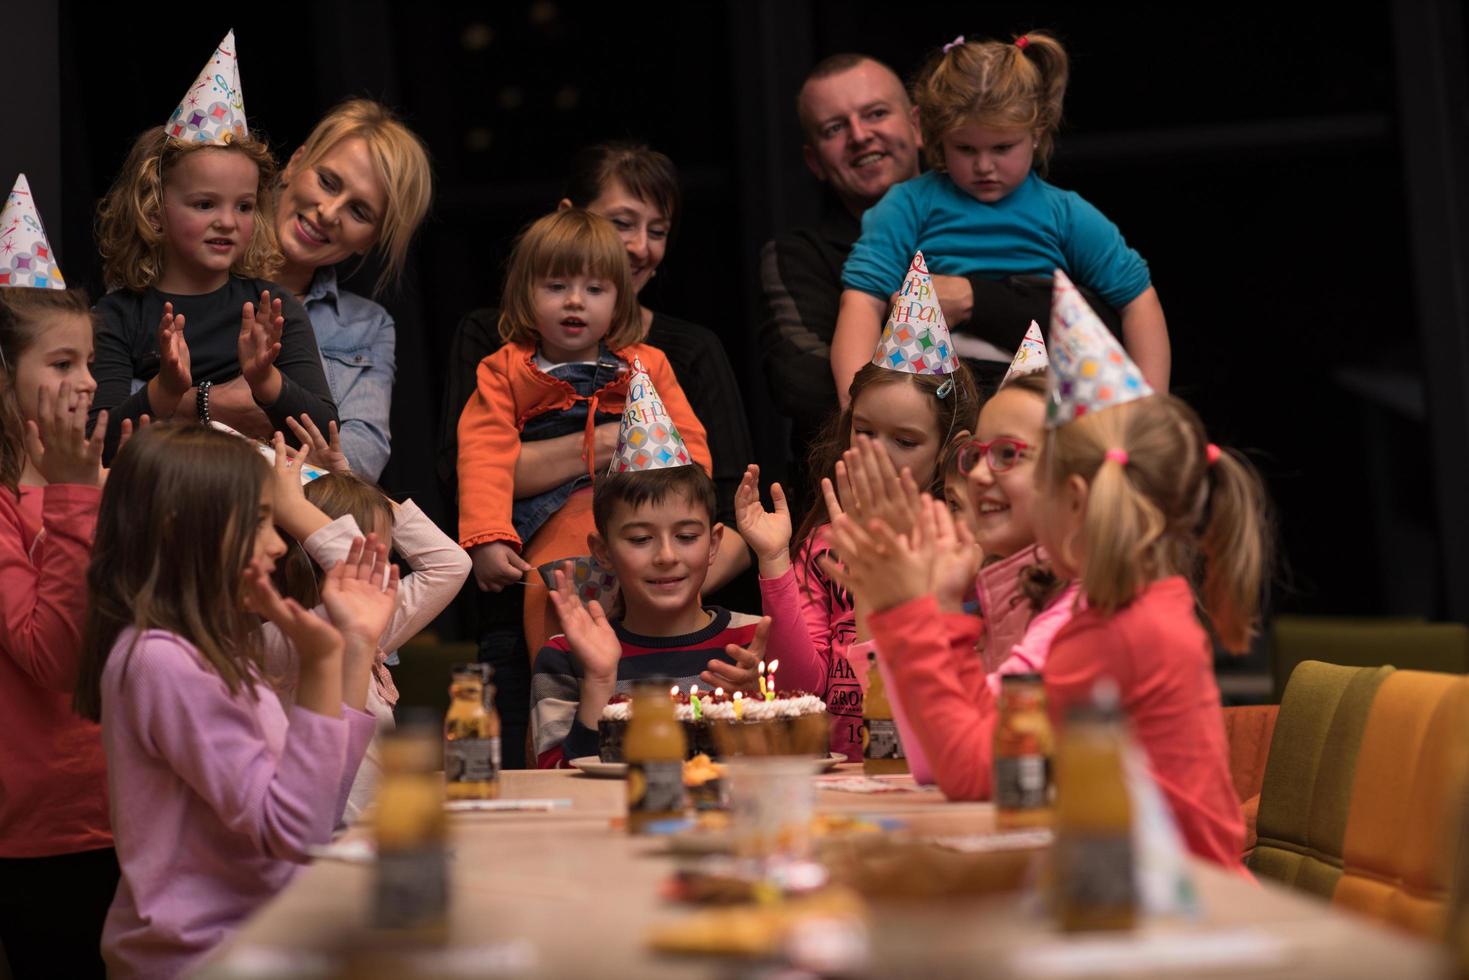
[{"x": 1292, "y": 178}]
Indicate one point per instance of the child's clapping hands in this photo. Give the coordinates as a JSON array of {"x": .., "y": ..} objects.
[{"x": 884, "y": 569}]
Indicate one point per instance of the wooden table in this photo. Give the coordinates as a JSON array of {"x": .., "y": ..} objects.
[{"x": 567, "y": 895}]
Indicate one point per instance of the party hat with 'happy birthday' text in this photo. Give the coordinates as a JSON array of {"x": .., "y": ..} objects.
[
  {"x": 213, "y": 109},
  {"x": 915, "y": 338},
  {"x": 1089, "y": 369},
  {"x": 1030, "y": 357},
  {"x": 647, "y": 438},
  {"x": 26, "y": 259}
]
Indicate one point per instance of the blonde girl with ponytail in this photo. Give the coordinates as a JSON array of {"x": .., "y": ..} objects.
[
  {"x": 988, "y": 114},
  {"x": 1168, "y": 537}
]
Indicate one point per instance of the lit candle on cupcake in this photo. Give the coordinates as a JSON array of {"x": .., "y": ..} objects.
[
  {"x": 770, "y": 681},
  {"x": 739, "y": 706},
  {"x": 763, "y": 692},
  {"x": 694, "y": 705}
]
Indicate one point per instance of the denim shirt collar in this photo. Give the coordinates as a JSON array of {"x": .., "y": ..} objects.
[{"x": 323, "y": 286}]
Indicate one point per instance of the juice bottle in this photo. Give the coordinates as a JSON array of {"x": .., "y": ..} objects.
[
  {"x": 471, "y": 737},
  {"x": 1093, "y": 874},
  {"x": 1023, "y": 747},
  {"x": 412, "y": 889},
  {"x": 654, "y": 747},
  {"x": 882, "y": 750}
]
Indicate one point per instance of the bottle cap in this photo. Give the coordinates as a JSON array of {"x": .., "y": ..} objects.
[{"x": 1020, "y": 679}]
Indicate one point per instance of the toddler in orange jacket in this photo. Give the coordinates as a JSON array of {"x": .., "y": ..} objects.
[{"x": 572, "y": 327}]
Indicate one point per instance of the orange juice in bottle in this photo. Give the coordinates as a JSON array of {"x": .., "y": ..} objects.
[
  {"x": 882, "y": 749},
  {"x": 1093, "y": 869},
  {"x": 412, "y": 892},
  {"x": 654, "y": 747},
  {"x": 471, "y": 737},
  {"x": 1022, "y": 754}
]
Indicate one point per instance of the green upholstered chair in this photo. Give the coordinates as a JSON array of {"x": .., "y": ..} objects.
[
  {"x": 1307, "y": 788},
  {"x": 1407, "y": 644}
]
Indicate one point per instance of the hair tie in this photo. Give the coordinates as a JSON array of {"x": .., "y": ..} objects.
[
  {"x": 1211, "y": 453},
  {"x": 954, "y": 43},
  {"x": 945, "y": 389},
  {"x": 1021, "y": 42},
  {"x": 1118, "y": 456}
]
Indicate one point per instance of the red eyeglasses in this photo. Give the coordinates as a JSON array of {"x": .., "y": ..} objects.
[{"x": 1002, "y": 454}]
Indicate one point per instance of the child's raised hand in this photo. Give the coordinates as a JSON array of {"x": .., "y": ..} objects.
[
  {"x": 56, "y": 439},
  {"x": 743, "y": 674},
  {"x": 317, "y": 642},
  {"x": 879, "y": 567},
  {"x": 258, "y": 345},
  {"x": 947, "y": 546},
  {"x": 175, "y": 372},
  {"x": 769, "y": 533},
  {"x": 875, "y": 489},
  {"x": 125, "y": 434},
  {"x": 587, "y": 630},
  {"x": 361, "y": 591},
  {"x": 497, "y": 565},
  {"x": 323, "y": 451}
]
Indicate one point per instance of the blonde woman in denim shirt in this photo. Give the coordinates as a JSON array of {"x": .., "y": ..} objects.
[{"x": 360, "y": 181}]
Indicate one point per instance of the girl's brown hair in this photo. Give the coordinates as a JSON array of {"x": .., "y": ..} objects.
[
  {"x": 952, "y": 413},
  {"x": 572, "y": 242},
  {"x": 1166, "y": 511},
  {"x": 1020, "y": 85},
  {"x": 130, "y": 218},
  {"x": 400, "y": 160},
  {"x": 335, "y": 495},
  {"x": 23, "y": 313},
  {"x": 175, "y": 532}
]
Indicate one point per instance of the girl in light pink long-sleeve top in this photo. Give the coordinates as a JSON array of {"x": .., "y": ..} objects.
[
  {"x": 439, "y": 568},
  {"x": 217, "y": 792}
]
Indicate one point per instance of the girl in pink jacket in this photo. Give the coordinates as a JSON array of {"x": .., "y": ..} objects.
[{"x": 905, "y": 415}]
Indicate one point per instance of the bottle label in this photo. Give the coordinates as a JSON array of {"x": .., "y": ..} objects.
[
  {"x": 412, "y": 887},
  {"x": 1095, "y": 871},
  {"x": 1022, "y": 782},
  {"x": 655, "y": 787},
  {"x": 882, "y": 740},
  {"x": 471, "y": 760}
]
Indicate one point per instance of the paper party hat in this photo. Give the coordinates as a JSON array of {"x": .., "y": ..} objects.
[
  {"x": 1030, "y": 357},
  {"x": 26, "y": 258},
  {"x": 1089, "y": 369},
  {"x": 213, "y": 109},
  {"x": 589, "y": 579},
  {"x": 916, "y": 339},
  {"x": 647, "y": 439}
]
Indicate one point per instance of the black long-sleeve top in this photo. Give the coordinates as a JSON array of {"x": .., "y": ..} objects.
[{"x": 127, "y": 351}]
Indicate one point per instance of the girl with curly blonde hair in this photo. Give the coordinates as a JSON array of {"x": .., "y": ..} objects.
[{"x": 193, "y": 325}]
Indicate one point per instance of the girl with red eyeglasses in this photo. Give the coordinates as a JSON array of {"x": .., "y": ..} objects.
[{"x": 1015, "y": 583}]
